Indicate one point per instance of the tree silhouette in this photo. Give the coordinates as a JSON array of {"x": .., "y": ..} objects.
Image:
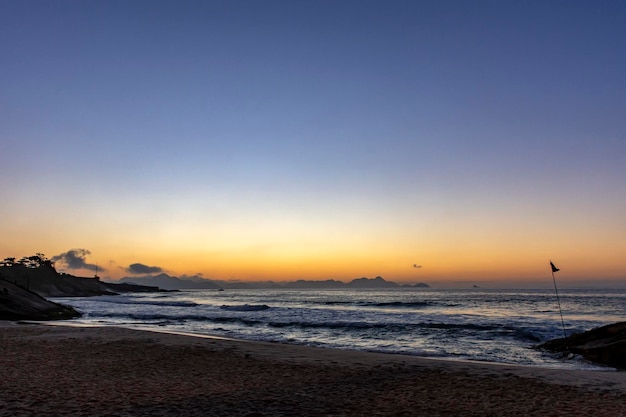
[
  {"x": 38, "y": 260},
  {"x": 7, "y": 262}
]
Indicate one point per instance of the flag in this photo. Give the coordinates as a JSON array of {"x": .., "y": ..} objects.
[{"x": 554, "y": 268}]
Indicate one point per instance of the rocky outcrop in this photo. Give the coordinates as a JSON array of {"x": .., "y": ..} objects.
[
  {"x": 49, "y": 283},
  {"x": 23, "y": 288},
  {"x": 17, "y": 303},
  {"x": 604, "y": 345}
]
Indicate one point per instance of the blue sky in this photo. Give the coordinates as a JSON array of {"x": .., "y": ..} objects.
[{"x": 317, "y": 139}]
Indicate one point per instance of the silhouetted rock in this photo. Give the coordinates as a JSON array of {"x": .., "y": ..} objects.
[
  {"x": 49, "y": 283},
  {"x": 23, "y": 288},
  {"x": 604, "y": 345},
  {"x": 17, "y": 303}
]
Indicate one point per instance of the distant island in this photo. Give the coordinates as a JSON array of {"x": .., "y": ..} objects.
[{"x": 167, "y": 282}]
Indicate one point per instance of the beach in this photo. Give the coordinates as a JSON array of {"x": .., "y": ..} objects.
[{"x": 48, "y": 370}]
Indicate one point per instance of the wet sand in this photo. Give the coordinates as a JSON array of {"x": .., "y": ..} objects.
[{"x": 105, "y": 371}]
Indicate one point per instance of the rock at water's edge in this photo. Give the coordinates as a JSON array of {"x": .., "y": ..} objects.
[
  {"x": 604, "y": 345},
  {"x": 17, "y": 303}
]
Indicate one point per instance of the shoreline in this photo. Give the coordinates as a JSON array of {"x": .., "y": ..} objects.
[
  {"x": 591, "y": 366},
  {"x": 103, "y": 370}
]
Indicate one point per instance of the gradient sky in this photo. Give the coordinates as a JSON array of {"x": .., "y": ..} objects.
[{"x": 316, "y": 139}]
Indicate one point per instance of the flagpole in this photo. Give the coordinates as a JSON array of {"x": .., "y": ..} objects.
[{"x": 558, "y": 300}]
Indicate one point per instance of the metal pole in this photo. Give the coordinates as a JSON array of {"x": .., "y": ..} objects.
[{"x": 559, "y": 302}]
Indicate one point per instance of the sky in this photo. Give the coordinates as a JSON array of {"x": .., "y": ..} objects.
[{"x": 283, "y": 140}]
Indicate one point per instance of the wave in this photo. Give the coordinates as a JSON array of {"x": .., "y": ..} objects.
[
  {"x": 329, "y": 325},
  {"x": 128, "y": 300},
  {"x": 152, "y": 317},
  {"x": 400, "y": 304},
  {"x": 454, "y": 328},
  {"x": 394, "y": 327},
  {"x": 495, "y": 330},
  {"x": 169, "y": 303},
  {"x": 395, "y": 304},
  {"x": 245, "y": 307},
  {"x": 362, "y": 329}
]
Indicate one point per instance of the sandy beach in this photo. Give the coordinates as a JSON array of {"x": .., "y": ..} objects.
[{"x": 105, "y": 371}]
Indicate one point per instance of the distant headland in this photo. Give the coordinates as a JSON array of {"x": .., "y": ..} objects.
[{"x": 25, "y": 283}]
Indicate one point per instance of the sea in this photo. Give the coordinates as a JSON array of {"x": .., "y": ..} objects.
[{"x": 472, "y": 324}]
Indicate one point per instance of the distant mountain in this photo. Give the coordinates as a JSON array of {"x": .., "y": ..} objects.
[
  {"x": 167, "y": 282},
  {"x": 377, "y": 282},
  {"x": 418, "y": 285},
  {"x": 327, "y": 284}
]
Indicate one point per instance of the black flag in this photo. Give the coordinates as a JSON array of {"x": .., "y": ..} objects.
[{"x": 554, "y": 268}]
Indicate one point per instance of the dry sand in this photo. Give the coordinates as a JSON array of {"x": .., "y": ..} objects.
[{"x": 106, "y": 371}]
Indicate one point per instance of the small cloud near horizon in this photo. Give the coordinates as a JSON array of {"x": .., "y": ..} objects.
[
  {"x": 195, "y": 276},
  {"x": 76, "y": 259},
  {"x": 138, "y": 269}
]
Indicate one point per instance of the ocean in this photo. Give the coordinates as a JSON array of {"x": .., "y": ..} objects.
[{"x": 480, "y": 325}]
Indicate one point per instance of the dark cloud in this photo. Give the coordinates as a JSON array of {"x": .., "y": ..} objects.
[
  {"x": 143, "y": 269},
  {"x": 185, "y": 276},
  {"x": 75, "y": 259}
]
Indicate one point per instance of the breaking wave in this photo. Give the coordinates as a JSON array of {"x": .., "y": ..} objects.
[{"x": 245, "y": 307}]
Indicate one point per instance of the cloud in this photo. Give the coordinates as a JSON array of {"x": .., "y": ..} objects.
[
  {"x": 143, "y": 269},
  {"x": 185, "y": 276},
  {"x": 75, "y": 259}
]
